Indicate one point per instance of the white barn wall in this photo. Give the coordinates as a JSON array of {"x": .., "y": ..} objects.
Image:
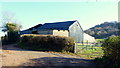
[
  {"x": 88, "y": 38},
  {"x": 60, "y": 33}
]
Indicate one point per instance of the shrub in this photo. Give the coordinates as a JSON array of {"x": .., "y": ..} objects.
[
  {"x": 13, "y": 37},
  {"x": 47, "y": 42},
  {"x": 4, "y": 39},
  {"x": 10, "y": 38},
  {"x": 111, "y": 48}
]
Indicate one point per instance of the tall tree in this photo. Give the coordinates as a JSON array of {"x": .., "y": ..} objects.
[{"x": 10, "y": 26}]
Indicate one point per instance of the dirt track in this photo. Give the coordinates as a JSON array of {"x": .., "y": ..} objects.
[{"x": 13, "y": 56}]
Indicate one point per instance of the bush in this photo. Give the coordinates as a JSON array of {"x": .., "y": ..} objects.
[
  {"x": 13, "y": 37},
  {"x": 47, "y": 42},
  {"x": 4, "y": 39},
  {"x": 111, "y": 48},
  {"x": 10, "y": 38}
]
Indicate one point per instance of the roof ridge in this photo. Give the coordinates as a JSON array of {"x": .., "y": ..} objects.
[
  {"x": 64, "y": 25},
  {"x": 61, "y": 22}
]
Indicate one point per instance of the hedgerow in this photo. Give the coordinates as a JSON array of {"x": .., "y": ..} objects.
[{"x": 47, "y": 42}]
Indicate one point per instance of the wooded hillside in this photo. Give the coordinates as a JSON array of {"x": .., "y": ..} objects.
[{"x": 104, "y": 30}]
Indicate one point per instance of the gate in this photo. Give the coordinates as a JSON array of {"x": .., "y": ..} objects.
[{"x": 88, "y": 48}]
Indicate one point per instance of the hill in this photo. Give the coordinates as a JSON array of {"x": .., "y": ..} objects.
[{"x": 104, "y": 30}]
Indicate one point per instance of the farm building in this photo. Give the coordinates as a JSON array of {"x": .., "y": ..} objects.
[
  {"x": 88, "y": 38},
  {"x": 30, "y": 30},
  {"x": 66, "y": 28}
]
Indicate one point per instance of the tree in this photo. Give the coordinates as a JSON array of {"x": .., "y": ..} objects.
[
  {"x": 11, "y": 27},
  {"x": 9, "y": 22}
]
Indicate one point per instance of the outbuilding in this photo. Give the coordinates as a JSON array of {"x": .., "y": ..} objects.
[{"x": 66, "y": 28}]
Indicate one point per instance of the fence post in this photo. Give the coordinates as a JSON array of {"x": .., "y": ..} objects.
[
  {"x": 0, "y": 51},
  {"x": 75, "y": 48}
]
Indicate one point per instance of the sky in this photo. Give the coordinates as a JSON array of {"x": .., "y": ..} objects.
[{"x": 88, "y": 14}]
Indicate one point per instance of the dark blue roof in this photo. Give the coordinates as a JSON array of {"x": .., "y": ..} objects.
[
  {"x": 57, "y": 25},
  {"x": 35, "y": 26}
]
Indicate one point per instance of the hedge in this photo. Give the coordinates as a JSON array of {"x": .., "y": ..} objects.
[
  {"x": 111, "y": 48},
  {"x": 47, "y": 42}
]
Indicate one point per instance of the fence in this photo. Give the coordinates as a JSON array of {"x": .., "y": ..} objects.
[
  {"x": 91, "y": 50},
  {"x": 81, "y": 47}
]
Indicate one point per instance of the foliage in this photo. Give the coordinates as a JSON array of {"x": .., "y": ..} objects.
[
  {"x": 45, "y": 42},
  {"x": 106, "y": 63},
  {"x": 4, "y": 39},
  {"x": 11, "y": 27},
  {"x": 12, "y": 37},
  {"x": 112, "y": 48},
  {"x": 104, "y": 30},
  {"x": 12, "y": 33}
]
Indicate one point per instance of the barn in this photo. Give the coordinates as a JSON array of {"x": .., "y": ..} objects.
[
  {"x": 89, "y": 39},
  {"x": 66, "y": 28}
]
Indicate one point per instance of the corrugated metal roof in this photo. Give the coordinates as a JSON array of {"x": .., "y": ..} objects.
[{"x": 56, "y": 25}]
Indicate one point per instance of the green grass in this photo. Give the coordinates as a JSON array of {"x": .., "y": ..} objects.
[
  {"x": 89, "y": 51},
  {"x": 98, "y": 40}
]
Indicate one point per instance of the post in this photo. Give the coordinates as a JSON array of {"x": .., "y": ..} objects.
[
  {"x": 0, "y": 52},
  {"x": 75, "y": 48}
]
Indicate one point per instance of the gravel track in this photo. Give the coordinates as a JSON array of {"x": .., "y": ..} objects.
[{"x": 13, "y": 56}]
